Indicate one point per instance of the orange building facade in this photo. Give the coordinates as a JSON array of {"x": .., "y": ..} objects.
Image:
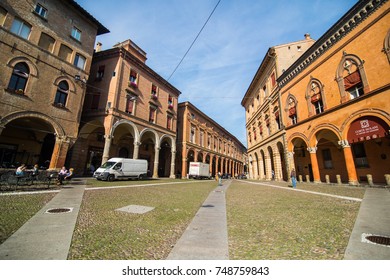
[
  {"x": 129, "y": 111},
  {"x": 201, "y": 139},
  {"x": 335, "y": 101},
  {"x": 264, "y": 126},
  {"x": 45, "y": 55}
]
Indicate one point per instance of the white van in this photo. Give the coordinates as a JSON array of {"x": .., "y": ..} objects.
[
  {"x": 122, "y": 168},
  {"x": 199, "y": 170}
]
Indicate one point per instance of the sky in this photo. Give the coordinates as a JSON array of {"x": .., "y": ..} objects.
[{"x": 217, "y": 71}]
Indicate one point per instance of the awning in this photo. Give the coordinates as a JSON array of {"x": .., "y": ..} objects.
[{"x": 367, "y": 128}]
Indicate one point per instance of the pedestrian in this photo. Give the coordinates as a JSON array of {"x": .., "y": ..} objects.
[
  {"x": 273, "y": 175},
  {"x": 293, "y": 176}
]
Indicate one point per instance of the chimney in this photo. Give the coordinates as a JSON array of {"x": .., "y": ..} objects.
[
  {"x": 98, "y": 47},
  {"x": 307, "y": 36}
]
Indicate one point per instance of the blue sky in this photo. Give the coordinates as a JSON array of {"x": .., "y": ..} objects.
[{"x": 217, "y": 71}]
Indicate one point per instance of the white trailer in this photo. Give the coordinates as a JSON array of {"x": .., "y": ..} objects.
[{"x": 199, "y": 170}]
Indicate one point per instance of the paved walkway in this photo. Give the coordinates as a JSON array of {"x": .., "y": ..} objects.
[
  {"x": 206, "y": 237},
  {"x": 374, "y": 219},
  {"x": 46, "y": 236}
]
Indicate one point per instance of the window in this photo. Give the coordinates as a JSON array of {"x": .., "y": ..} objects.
[
  {"x": 65, "y": 53},
  {"x": 209, "y": 141},
  {"x": 169, "y": 122},
  {"x": 192, "y": 135},
  {"x": 133, "y": 79},
  {"x": 327, "y": 157},
  {"x": 19, "y": 78},
  {"x": 3, "y": 13},
  {"x": 356, "y": 91},
  {"x": 360, "y": 155},
  {"x": 95, "y": 100},
  {"x": 40, "y": 10},
  {"x": 130, "y": 104},
  {"x": 76, "y": 33},
  {"x": 79, "y": 61},
  {"x": 152, "y": 114},
  {"x": 170, "y": 102},
  {"x": 100, "y": 73},
  {"x": 61, "y": 94},
  {"x": 201, "y": 134},
  {"x": 292, "y": 110},
  {"x": 154, "y": 92},
  {"x": 46, "y": 42},
  {"x": 319, "y": 106},
  {"x": 273, "y": 79},
  {"x": 21, "y": 28},
  {"x": 277, "y": 118}
]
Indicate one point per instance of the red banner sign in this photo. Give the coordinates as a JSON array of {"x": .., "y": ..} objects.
[{"x": 367, "y": 128}]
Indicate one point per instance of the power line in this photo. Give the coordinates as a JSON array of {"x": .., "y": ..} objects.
[{"x": 193, "y": 42}]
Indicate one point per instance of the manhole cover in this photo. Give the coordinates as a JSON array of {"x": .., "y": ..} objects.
[
  {"x": 59, "y": 210},
  {"x": 377, "y": 239}
]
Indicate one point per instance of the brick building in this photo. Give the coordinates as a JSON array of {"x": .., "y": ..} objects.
[
  {"x": 46, "y": 50},
  {"x": 335, "y": 100},
  {"x": 129, "y": 111},
  {"x": 264, "y": 126},
  {"x": 201, "y": 139}
]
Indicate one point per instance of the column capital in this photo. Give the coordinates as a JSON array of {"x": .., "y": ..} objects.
[
  {"x": 312, "y": 150},
  {"x": 344, "y": 143}
]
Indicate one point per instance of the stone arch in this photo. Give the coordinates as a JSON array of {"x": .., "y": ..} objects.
[
  {"x": 32, "y": 67},
  {"x": 153, "y": 132},
  {"x": 132, "y": 125},
  {"x": 313, "y": 135},
  {"x": 59, "y": 131},
  {"x": 169, "y": 139}
]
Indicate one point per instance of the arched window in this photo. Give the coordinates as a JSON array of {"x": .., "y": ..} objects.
[
  {"x": 386, "y": 47},
  {"x": 277, "y": 117},
  {"x": 316, "y": 104},
  {"x": 315, "y": 97},
  {"x": 19, "y": 78},
  {"x": 351, "y": 78},
  {"x": 61, "y": 94},
  {"x": 292, "y": 109}
]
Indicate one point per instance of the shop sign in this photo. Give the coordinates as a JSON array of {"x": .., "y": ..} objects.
[{"x": 367, "y": 128}]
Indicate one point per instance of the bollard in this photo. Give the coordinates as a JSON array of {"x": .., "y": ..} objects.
[
  {"x": 219, "y": 181},
  {"x": 338, "y": 178},
  {"x": 387, "y": 178},
  {"x": 327, "y": 180},
  {"x": 307, "y": 178},
  {"x": 369, "y": 180},
  {"x": 300, "y": 178}
]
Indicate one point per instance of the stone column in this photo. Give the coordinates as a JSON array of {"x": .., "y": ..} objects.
[
  {"x": 314, "y": 164},
  {"x": 136, "y": 150},
  {"x": 184, "y": 167},
  {"x": 156, "y": 156},
  {"x": 173, "y": 156},
  {"x": 278, "y": 167},
  {"x": 291, "y": 163},
  {"x": 349, "y": 162},
  {"x": 60, "y": 150},
  {"x": 107, "y": 145},
  {"x": 268, "y": 168}
]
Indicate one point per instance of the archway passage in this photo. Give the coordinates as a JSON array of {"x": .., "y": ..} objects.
[
  {"x": 301, "y": 158},
  {"x": 28, "y": 140},
  {"x": 164, "y": 162},
  {"x": 369, "y": 139}
]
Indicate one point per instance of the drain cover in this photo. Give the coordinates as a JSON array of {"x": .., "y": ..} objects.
[
  {"x": 377, "y": 239},
  {"x": 59, "y": 210}
]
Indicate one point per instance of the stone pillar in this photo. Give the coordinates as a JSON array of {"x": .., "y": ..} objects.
[
  {"x": 338, "y": 179},
  {"x": 268, "y": 168},
  {"x": 278, "y": 167},
  {"x": 107, "y": 145},
  {"x": 300, "y": 178},
  {"x": 349, "y": 162},
  {"x": 290, "y": 163},
  {"x": 156, "y": 156},
  {"x": 327, "y": 179},
  {"x": 369, "y": 180},
  {"x": 136, "y": 150},
  {"x": 172, "y": 173},
  {"x": 184, "y": 168},
  {"x": 314, "y": 164},
  {"x": 60, "y": 150}
]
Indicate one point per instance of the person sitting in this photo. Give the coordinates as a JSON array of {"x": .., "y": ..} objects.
[
  {"x": 61, "y": 175},
  {"x": 20, "y": 170},
  {"x": 69, "y": 175}
]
